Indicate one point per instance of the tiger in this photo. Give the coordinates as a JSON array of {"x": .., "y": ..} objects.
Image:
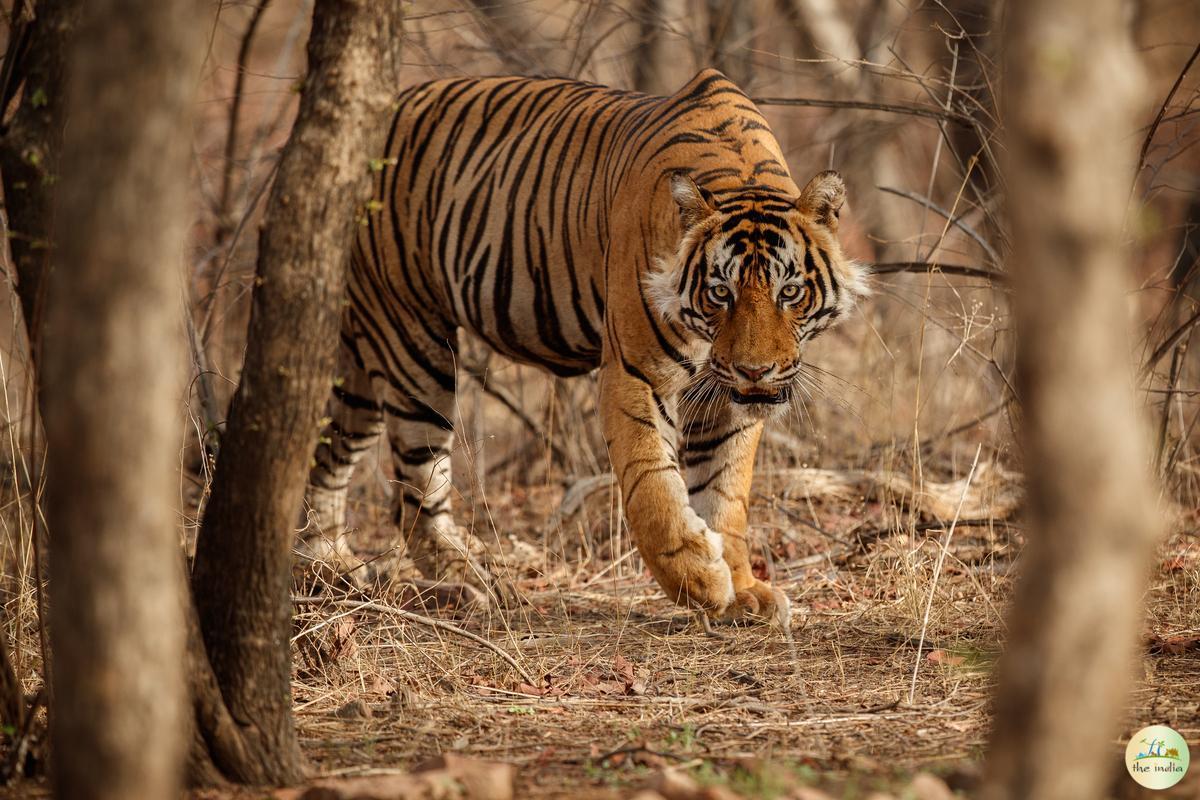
[{"x": 577, "y": 227}]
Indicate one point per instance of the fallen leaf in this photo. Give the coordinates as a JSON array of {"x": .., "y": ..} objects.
[
  {"x": 942, "y": 657},
  {"x": 378, "y": 685},
  {"x": 1175, "y": 563},
  {"x": 622, "y": 667},
  {"x": 1173, "y": 645}
]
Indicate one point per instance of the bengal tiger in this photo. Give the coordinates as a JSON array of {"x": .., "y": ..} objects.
[{"x": 576, "y": 226}]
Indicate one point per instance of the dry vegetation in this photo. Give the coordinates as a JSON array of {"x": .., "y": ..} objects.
[{"x": 888, "y": 506}]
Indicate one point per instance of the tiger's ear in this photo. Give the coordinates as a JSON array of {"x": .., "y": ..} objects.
[
  {"x": 823, "y": 198},
  {"x": 695, "y": 204}
]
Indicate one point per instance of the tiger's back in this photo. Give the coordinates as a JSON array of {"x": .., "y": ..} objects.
[{"x": 495, "y": 208}]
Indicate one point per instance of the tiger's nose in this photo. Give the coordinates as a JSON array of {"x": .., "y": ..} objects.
[{"x": 753, "y": 372}]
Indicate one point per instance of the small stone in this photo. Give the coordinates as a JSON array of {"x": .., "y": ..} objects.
[
  {"x": 928, "y": 787},
  {"x": 355, "y": 709}
]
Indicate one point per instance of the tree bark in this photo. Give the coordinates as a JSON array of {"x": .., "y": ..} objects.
[
  {"x": 1072, "y": 80},
  {"x": 111, "y": 390},
  {"x": 242, "y": 571},
  {"x": 32, "y": 139}
]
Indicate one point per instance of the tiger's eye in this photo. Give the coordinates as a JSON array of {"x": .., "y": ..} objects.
[
  {"x": 719, "y": 294},
  {"x": 791, "y": 292}
]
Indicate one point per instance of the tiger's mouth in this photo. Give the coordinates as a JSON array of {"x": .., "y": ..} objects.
[{"x": 760, "y": 397}]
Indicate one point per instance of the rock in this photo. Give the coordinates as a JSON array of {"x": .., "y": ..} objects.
[
  {"x": 674, "y": 785},
  {"x": 449, "y": 777},
  {"x": 928, "y": 787},
  {"x": 808, "y": 793},
  {"x": 482, "y": 780},
  {"x": 355, "y": 709}
]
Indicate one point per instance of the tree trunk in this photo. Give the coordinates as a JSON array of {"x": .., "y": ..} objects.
[
  {"x": 1072, "y": 79},
  {"x": 729, "y": 29},
  {"x": 647, "y": 54},
  {"x": 112, "y": 384},
  {"x": 29, "y": 149},
  {"x": 866, "y": 148},
  {"x": 242, "y": 571}
]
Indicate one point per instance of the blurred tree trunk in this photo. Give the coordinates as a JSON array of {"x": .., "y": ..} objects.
[
  {"x": 866, "y": 151},
  {"x": 1072, "y": 79},
  {"x": 511, "y": 28},
  {"x": 111, "y": 390},
  {"x": 976, "y": 24},
  {"x": 647, "y": 55},
  {"x": 34, "y": 66},
  {"x": 728, "y": 37},
  {"x": 242, "y": 571}
]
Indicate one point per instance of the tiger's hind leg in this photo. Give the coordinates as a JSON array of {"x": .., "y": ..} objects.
[
  {"x": 718, "y": 459},
  {"x": 418, "y": 403},
  {"x": 355, "y": 423}
]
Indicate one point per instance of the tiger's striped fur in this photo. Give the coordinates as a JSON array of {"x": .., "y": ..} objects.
[{"x": 575, "y": 226}]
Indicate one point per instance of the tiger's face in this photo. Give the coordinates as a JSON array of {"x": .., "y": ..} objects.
[{"x": 756, "y": 275}]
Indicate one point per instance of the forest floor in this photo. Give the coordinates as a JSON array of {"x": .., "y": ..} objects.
[
  {"x": 618, "y": 684},
  {"x": 606, "y": 683}
]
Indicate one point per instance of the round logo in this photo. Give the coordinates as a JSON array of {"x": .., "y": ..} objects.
[{"x": 1157, "y": 757}]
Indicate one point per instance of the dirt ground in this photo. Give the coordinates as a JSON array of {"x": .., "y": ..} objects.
[
  {"x": 614, "y": 683},
  {"x": 589, "y": 682}
]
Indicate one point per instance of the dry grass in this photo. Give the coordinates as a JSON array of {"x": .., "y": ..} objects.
[{"x": 626, "y": 684}]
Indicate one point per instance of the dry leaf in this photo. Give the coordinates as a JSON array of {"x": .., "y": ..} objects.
[
  {"x": 942, "y": 657},
  {"x": 1173, "y": 645},
  {"x": 378, "y": 685}
]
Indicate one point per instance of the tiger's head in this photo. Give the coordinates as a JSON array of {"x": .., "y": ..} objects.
[{"x": 757, "y": 274}]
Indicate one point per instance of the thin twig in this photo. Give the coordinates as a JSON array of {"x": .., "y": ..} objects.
[
  {"x": 864, "y": 538},
  {"x": 937, "y": 571},
  {"x": 1170, "y": 342},
  {"x": 235, "y": 108},
  {"x": 638, "y": 748},
  {"x": 916, "y": 110},
  {"x": 1172, "y": 380},
  {"x": 956, "y": 221},
  {"x": 508, "y": 401},
  {"x": 371, "y": 605},
  {"x": 1141, "y": 163},
  {"x": 963, "y": 270},
  {"x": 969, "y": 424}
]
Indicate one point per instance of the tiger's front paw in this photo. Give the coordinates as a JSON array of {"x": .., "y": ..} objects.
[
  {"x": 691, "y": 569},
  {"x": 760, "y": 602}
]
